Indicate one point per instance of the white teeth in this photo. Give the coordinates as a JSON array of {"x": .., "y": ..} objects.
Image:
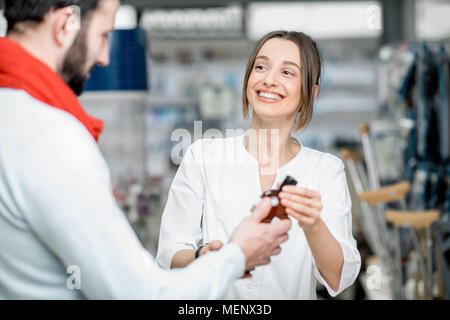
[{"x": 269, "y": 95}]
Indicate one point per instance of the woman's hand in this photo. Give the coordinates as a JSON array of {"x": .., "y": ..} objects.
[
  {"x": 184, "y": 257},
  {"x": 212, "y": 246},
  {"x": 303, "y": 204}
]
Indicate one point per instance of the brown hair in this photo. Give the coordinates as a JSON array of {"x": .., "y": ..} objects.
[{"x": 311, "y": 70}]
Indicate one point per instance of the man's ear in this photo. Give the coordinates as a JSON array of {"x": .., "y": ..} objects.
[
  {"x": 66, "y": 25},
  {"x": 316, "y": 90}
]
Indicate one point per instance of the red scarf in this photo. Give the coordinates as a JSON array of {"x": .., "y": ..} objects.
[{"x": 21, "y": 70}]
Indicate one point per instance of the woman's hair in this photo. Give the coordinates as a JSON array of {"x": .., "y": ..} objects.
[{"x": 311, "y": 66}]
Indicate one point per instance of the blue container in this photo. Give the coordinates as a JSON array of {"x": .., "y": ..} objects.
[{"x": 127, "y": 69}]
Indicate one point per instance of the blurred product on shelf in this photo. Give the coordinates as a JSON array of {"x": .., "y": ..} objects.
[
  {"x": 425, "y": 94},
  {"x": 142, "y": 204},
  {"x": 215, "y": 103}
]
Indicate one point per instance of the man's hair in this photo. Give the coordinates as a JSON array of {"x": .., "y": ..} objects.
[{"x": 34, "y": 11}]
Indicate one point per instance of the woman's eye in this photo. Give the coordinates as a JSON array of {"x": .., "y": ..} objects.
[
  {"x": 289, "y": 73},
  {"x": 259, "y": 67}
]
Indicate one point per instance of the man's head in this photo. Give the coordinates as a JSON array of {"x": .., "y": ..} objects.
[{"x": 73, "y": 32}]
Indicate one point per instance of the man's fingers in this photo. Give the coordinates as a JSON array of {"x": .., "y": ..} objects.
[
  {"x": 262, "y": 209},
  {"x": 281, "y": 227},
  {"x": 248, "y": 274},
  {"x": 283, "y": 238},
  {"x": 277, "y": 250}
]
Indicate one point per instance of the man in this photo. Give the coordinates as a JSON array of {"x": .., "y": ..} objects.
[{"x": 57, "y": 211}]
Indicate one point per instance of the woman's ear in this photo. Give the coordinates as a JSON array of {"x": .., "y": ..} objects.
[{"x": 316, "y": 90}]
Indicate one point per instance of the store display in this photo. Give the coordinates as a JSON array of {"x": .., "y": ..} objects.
[
  {"x": 443, "y": 245},
  {"x": 215, "y": 103},
  {"x": 142, "y": 203},
  {"x": 127, "y": 69},
  {"x": 425, "y": 93},
  {"x": 408, "y": 146},
  {"x": 444, "y": 103}
]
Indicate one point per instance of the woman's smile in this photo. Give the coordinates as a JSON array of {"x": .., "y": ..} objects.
[{"x": 267, "y": 96}]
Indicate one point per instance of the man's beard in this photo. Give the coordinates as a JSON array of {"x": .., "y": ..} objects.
[{"x": 74, "y": 64}]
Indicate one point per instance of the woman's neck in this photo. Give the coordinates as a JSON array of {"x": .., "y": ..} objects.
[{"x": 271, "y": 144}]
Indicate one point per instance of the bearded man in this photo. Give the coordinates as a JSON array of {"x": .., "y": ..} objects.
[{"x": 62, "y": 235}]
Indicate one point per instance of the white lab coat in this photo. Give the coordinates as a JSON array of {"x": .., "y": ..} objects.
[
  {"x": 214, "y": 189},
  {"x": 58, "y": 215}
]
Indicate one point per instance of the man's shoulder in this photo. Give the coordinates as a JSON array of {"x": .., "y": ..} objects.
[
  {"x": 37, "y": 137},
  {"x": 21, "y": 115},
  {"x": 17, "y": 97},
  {"x": 32, "y": 131},
  {"x": 16, "y": 101}
]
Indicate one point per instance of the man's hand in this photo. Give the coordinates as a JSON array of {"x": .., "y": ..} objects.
[
  {"x": 259, "y": 241},
  {"x": 216, "y": 245}
]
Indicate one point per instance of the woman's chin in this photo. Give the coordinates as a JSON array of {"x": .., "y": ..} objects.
[
  {"x": 266, "y": 111},
  {"x": 269, "y": 113},
  {"x": 269, "y": 118}
]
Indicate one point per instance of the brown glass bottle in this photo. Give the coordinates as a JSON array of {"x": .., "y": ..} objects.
[{"x": 277, "y": 209}]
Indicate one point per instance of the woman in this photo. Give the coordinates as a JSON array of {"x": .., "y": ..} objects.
[{"x": 220, "y": 179}]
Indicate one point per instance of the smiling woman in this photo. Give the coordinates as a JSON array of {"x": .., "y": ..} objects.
[
  {"x": 210, "y": 196},
  {"x": 300, "y": 66}
]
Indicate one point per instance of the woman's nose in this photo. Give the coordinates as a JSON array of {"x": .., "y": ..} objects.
[{"x": 270, "y": 79}]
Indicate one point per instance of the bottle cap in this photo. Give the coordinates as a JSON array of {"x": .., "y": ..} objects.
[{"x": 288, "y": 181}]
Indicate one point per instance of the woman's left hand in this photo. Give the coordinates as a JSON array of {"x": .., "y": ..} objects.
[{"x": 303, "y": 204}]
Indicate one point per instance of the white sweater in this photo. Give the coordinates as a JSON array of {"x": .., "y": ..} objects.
[
  {"x": 214, "y": 189},
  {"x": 58, "y": 214}
]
